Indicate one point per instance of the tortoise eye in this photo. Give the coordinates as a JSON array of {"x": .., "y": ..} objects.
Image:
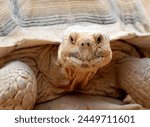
[
  {"x": 72, "y": 38},
  {"x": 99, "y": 39}
]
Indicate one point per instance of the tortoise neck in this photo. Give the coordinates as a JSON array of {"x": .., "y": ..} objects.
[{"x": 78, "y": 78}]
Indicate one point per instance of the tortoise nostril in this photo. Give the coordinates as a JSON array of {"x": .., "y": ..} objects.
[{"x": 84, "y": 44}]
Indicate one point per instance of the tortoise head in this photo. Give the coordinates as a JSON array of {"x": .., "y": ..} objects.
[{"x": 84, "y": 50}]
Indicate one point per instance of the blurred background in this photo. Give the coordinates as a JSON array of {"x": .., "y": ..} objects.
[{"x": 147, "y": 6}]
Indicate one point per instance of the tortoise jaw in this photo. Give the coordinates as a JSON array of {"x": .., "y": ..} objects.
[
  {"x": 86, "y": 63},
  {"x": 76, "y": 60}
]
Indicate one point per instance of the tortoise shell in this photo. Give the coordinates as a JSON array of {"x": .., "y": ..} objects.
[{"x": 34, "y": 22}]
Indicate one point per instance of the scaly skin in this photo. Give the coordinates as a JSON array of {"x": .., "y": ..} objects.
[
  {"x": 18, "y": 88},
  {"x": 80, "y": 63},
  {"x": 134, "y": 78}
]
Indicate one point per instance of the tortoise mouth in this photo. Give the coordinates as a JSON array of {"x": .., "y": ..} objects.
[{"x": 86, "y": 63}]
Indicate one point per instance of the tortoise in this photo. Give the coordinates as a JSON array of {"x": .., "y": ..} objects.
[{"x": 88, "y": 50}]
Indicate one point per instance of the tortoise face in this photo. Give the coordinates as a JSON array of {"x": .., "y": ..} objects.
[{"x": 85, "y": 50}]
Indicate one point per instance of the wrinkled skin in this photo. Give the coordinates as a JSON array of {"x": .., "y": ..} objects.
[{"x": 85, "y": 62}]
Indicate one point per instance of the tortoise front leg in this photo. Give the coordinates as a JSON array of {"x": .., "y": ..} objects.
[
  {"x": 134, "y": 78},
  {"x": 18, "y": 88}
]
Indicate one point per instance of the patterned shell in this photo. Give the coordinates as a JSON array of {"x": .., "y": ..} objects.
[{"x": 36, "y": 20}]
